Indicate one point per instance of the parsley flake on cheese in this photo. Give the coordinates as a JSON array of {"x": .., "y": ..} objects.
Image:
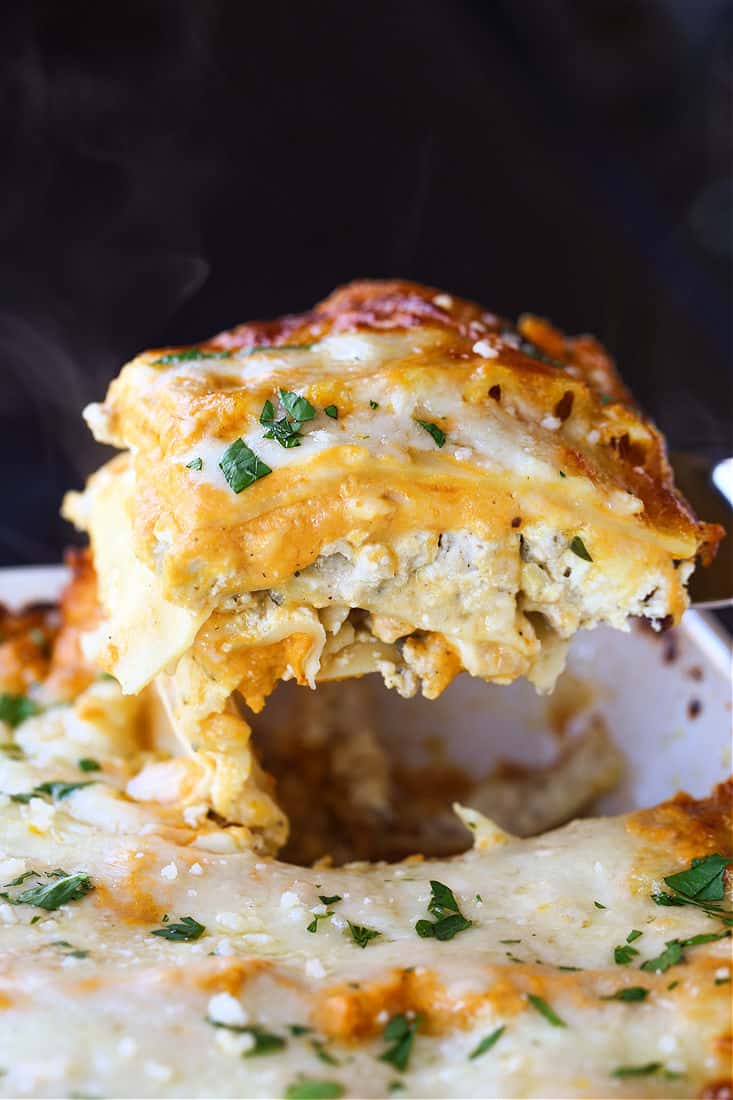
[
  {"x": 541, "y": 1006},
  {"x": 579, "y": 549},
  {"x": 629, "y": 993},
  {"x": 623, "y": 954},
  {"x": 400, "y": 1032},
  {"x": 241, "y": 466},
  {"x": 362, "y": 935},
  {"x": 444, "y": 906},
  {"x": 183, "y": 931},
  {"x": 87, "y": 764},
  {"x": 487, "y": 1042},
  {"x": 63, "y": 889},
  {"x": 433, "y": 430},
  {"x": 14, "y": 709},
  {"x": 310, "y": 1088},
  {"x": 190, "y": 355}
]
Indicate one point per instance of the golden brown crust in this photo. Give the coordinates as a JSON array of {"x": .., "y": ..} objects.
[{"x": 689, "y": 827}]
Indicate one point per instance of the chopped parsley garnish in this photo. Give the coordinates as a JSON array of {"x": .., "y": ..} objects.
[
  {"x": 444, "y": 906},
  {"x": 320, "y": 1050},
  {"x": 309, "y": 1088},
  {"x": 87, "y": 764},
  {"x": 434, "y": 430},
  {"x": 299, "y": 1029},
  {"x": 487, "y": 1043},
  {"x": 362, "y": 935},
  {"x": 633, "y": 935},
  {"x": 58, "y": 790},
  {"x": 400, "y": 1032},
  {"x": 630, "y": 993},
  {"x": 623, "y": 954},
  {"x": 541, "y": 1005},
  {"x": 671, "y": 955},
  {"x": 14, "y": 709},
  {"x": 241, "y": 466},
  {"x": 69, "y": 950},
  {"x": 668, "y": 899},
  {"x": 332, "y": 411},
  {"x": 183, "y": 931},
  {"x": 706, "y": 937},
  {"x": 578, "y": 548},
  {"x": 265, "y": 1042},
  {"x": 562, "y": 473},
  {"x": 279, "y": 347},
  {"x": 637, "y": 1071},
  {"x": 703, "y": 881},
  {"x": 195, "y": 463},
  {"x": 313, "y": 926},
  {"x": 599, "y": 906},
  {"x": 51, "y": 895},
  {"x": 286, "y": 431},
  {"x": 298, "y": 408},
  {"x": 722, "y": 981},
  {"x": 373, "y": 404},
  {"x": 188, "y": 355},
  {"x": 510, "y": 941}
]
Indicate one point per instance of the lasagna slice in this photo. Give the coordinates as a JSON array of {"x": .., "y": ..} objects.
[{"x": 396, "y": 481}]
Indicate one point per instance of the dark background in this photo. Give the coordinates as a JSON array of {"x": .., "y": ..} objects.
[{"x": 170, "y": 169}]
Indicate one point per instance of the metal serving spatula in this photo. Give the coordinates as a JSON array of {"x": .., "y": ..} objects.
[{"x": 709, "y": 488}]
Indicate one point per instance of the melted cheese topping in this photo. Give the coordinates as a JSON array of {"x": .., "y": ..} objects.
[{"x": 145, "y": 1015}]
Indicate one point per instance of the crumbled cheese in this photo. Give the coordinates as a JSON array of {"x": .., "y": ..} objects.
[
  {"x": 484, "y": 349},
  {"x": 157, "y": 1071},
  {"x": 224, "y": 947},
  {"x": 233, "y": 922},
  {"x": 288, "y": 899},
  {"x": 195, "y": 869},
  {"x": 12, "y": 868},
  {"x": 443, "y": 301},
  {"x": 7, "y": 915},
  {"x": 722, "y": 973},
  {"x": 552, "y": 423},
  {"x": 229, "y": 1042},
  {"x": 39, "y": 815},
  {"x": 593, "y": 437},
  {"x": 225, "y": 1009},
  {"x": 169, "y": 872},
  {"x": 127, "y": 1047},
  {"x": 319, "y": 910},
  {"x": 314, "y": 968},
  {"x": 257, "y": 939}
]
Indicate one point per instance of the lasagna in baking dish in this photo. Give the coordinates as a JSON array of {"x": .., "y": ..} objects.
[
  {"x": 396, "y": 481},
  {"x": 146, "y": 953}
]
